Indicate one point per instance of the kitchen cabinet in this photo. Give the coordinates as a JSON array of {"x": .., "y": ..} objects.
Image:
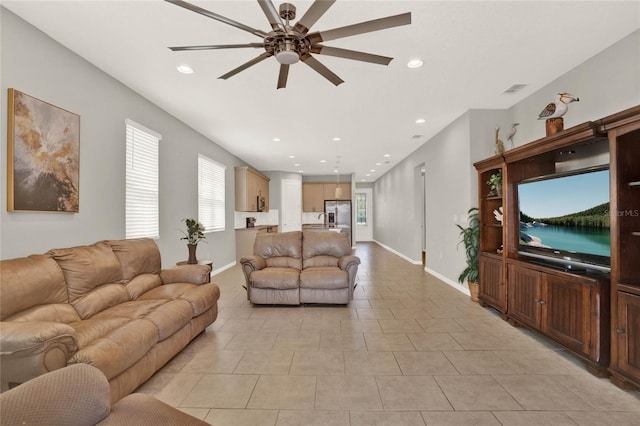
[
  {"x": 314, "y": 194},
  {"x": 330, "y": 191},
  {"x": 312, "y": 197},
  {"x": 627, "y": 339},
  {"x": 252, "y": 187},
  {"x": 567, "y": 308}
]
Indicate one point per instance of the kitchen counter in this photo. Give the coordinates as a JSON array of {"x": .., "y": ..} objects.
[{"x": 245, "y": 238}]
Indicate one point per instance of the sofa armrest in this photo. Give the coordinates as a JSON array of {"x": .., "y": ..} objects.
[
  {"x": 31, "y": 348},
  {"x": 144, "y": 410},
  {"x": 254, "y": 262},
  {"x": 74, "y": 395},
  {"x": 346, "y": 262},
  {"x": 194, "y": 274}
]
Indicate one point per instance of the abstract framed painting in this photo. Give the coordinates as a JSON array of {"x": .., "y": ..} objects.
[{"x": 43, "y": 156}]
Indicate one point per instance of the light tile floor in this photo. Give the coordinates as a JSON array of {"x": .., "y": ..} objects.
[{"x": 408, "y": 350}]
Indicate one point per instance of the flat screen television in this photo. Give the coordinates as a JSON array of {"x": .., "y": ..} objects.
[{"x": 564, "y": 220}]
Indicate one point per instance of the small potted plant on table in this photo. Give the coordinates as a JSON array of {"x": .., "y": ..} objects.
[{"x": 194, "y": 234}]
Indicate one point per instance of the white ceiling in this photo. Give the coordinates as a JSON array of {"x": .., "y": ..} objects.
[{"x": 472, "y": 52}]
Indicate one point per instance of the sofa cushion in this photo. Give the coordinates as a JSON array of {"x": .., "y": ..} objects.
[
  {"x": 120, "y": 349},
  {"x": 137, "y": 256},
  {"x": 54, "y": 312},
  {"x": 30, "y": 281},
  {"x": 134, "y": 309},
  {"x": 86, "y": 268},
  {"x": 280, "y": 249},
  {"x": 94, "y": 328},
  {"x": 324, "y": 248},
  {"x": 201, "y": 297},
  {"x": 324, "y": 277},
  {"x": 276, "y": 278},
  {"x": 170, "y": 317},
  {"x": 101, "y": 298},
  {"x": 142, "y": 283}
]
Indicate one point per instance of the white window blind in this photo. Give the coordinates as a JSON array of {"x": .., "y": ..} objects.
[
  {"x": 142, "y": 193},
  {"x": 211, "y": 206}
]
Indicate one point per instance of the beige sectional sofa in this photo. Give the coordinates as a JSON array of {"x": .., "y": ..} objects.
[
  {"x": 109, "y": 304},
  {"x": 293, "y": 268}
]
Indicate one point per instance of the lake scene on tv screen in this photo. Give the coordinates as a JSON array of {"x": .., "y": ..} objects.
[{"x": 567, "y": 213}]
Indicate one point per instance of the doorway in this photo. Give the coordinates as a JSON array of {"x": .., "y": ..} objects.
[{"x": 291, "y": 205}]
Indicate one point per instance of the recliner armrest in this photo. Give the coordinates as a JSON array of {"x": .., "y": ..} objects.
[
  {"x": 254, "y": 262},
  {"x": 193, "y": 274},
  {"x": 346, "y": 261},
  {"x": 31, "y": 348}
]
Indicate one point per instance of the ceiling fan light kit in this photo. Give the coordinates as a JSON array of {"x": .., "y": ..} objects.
[{"x": 291, "y": 44}]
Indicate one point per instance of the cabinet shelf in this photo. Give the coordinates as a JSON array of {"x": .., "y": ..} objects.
[
  {"x": 492, "y": 225},
  {"x": 635, "y": 184},
  {"x": 493, "y": 198},
  {"x": 636, "y": 233}
]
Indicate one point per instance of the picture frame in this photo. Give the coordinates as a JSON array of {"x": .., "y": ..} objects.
[{"x": 43, "y": 156}]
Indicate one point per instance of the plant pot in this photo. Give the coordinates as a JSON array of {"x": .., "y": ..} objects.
[
  {"x": 192, "y": 254},
  {"x": 499, "y": 190},
  {"x": 474, "y": 289}
]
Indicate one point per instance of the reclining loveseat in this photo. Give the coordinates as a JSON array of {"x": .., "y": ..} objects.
[
  {"x": 299, "y": 267},
  {"x": 109, "y": 305}
]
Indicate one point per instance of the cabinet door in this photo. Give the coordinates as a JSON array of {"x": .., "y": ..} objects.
[
  {"x": 524, "y": 291},
  {"x": 627, "y": 331},
  {"x": 566, "y": 312},
  {"x": 313, "y": 197},
  {"x": 492, "y": 288}
]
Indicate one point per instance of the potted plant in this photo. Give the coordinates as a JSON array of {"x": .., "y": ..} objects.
[
  {"x": 495, "y": 183},
  {"x": 470, "y": 237},
  {"x": 194, "y": 234}
]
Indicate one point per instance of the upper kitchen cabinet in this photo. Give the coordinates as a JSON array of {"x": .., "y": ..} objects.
[
  {"x": 330, "y": 191},
  {"x": 312, "y": 197},
  {"x": 252, "y": 190}
]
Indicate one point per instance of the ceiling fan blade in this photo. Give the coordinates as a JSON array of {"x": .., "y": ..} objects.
[
  {"x": 215, "y": 46},
  {"x": 321, "y": 69},
  {"x": 362, "y": 27},
  {"x": 207, "y": 13},
  {"x": 350, "y": 54},
  {"x": 311, "y": 16},
  {"x": 246, "y": 65},
  {"x": 282, "y": 77},
  {"x": 272, "y": 14}
]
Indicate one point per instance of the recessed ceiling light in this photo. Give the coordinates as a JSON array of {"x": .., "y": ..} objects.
[
  {"x": 185, "y": 69},
  {"x": 323, "y": 161},
  {"x": 296, "y": 165},
  {"x": 421, "y": 121},
  {"x": 363, "y": 180},
  {"x": 378, "y": 164},
  {"x": 337, "y": 139},
  {"x": 367, "y": 175},
  {"x": 414, "y": 63},
  {"x": 387, "y": 155},
  {"x": 335, "y": 170},
  {"x": 276, "y": 139},
  {"x": 300, "y": 171},
  {"x": 372, "y": 170},
  {"x": 292, "y": 156}
]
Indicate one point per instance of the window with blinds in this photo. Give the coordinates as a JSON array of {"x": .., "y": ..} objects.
[
  {"x": 211, "y": 206},
  {"x": 142, "y": 189}
]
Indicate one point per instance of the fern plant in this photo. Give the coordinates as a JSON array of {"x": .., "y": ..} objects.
[{"x": 470, "y": 237}]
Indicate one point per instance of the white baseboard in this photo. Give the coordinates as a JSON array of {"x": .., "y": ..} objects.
[
  {"x": 415, "y": 262},
  {"x": 446, "y": 280},
  {"x": 223, "y": 268}
]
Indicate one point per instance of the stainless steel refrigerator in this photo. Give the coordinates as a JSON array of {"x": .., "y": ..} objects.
[{"x": 338, "y": 215}]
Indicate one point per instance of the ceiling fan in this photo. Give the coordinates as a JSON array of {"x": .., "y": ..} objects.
[{"x": 290, "y": 44}]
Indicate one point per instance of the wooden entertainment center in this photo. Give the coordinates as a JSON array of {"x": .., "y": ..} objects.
[{"x": 594, "y": 314}]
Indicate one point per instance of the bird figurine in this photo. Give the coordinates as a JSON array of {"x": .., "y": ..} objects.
[
  {"x": 558, "y": 107},
  {"x": 512, "y": 133},
  {"x": 499, "y": 144}
]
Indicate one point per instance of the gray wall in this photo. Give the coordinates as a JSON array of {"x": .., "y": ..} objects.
[
  {"x": 607, "y": 83},
  {"x": 37, "y": 65}
]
